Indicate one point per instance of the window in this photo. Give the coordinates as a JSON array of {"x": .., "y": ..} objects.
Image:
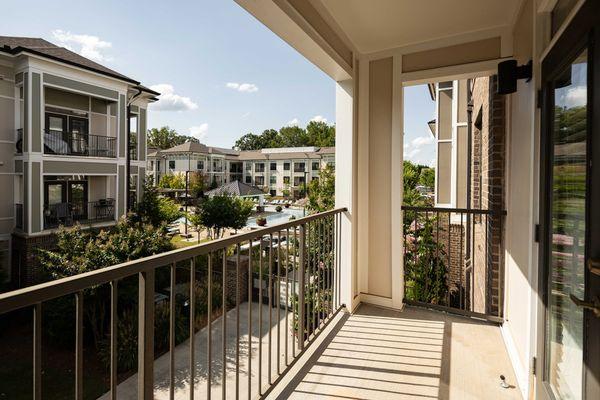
[
  {"x": 299, "y": 167},
  {"x": 259, "y": 180},
  {"x": 259, "y": 167},
  {"x": 273, "y": 192},
  {"x": 171, "y": 164},
  {"x": 273, "y": 179},
  {"x": 286, "y": 180},
  {"x": 298, "y": 181},
  {"x": 152, "y": 165},
  {"x": 133, "y": 136},
  {"x": 248, "y": 166},
  {"x": 273, "y": 166},
  {"x": 286, "y": 166},
  {"x": 315, "y": 166},
  {"x": 200, "y": 164},
  {"x": 249, "y": 179}
]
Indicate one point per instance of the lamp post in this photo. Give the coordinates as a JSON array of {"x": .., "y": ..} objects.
[
  {"x": 305, "y": 191},
  {"x": 187, "y": 173}
]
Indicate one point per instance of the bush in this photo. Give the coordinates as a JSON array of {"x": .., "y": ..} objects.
[
  {"x": 278, "y": 209},
  {"x": 154, "y": 209},
  {"x": 292, "y": 217},
  {"x": 261, "y": 221},
  {"x": 218, "y": 213}
]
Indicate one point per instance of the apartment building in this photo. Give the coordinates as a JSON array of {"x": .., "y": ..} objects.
[
  {"x": 277, "y": 171},
  {"x": 63, "y": 144}
]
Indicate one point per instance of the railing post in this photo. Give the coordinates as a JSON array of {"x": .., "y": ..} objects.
[
  {"x": 146, "y": 335},
  {"x": 301, "y": 305}
]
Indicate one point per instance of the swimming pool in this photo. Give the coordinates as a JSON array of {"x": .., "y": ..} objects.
[{"x": 273, "y": 217}]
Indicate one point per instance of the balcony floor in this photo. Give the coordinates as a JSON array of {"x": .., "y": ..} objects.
[{"x": 413, "y": 354}]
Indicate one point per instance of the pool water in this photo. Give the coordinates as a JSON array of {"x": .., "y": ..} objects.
[{"x": 273, "y": 217}]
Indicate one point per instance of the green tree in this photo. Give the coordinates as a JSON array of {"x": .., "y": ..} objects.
[
  {"x": 172, "y": 181},
  {"x": 154, "y": 209},
  {"x": 321, "y": 192},
  {"x": 427, "y": 177},
  {"x": 320, "y": 134},
  {"x": 292, "y": 136},
  {"x": 249, "y": 141},
  {"x": 78, "y": 251},
  {"x": 198, "y": 184},
  {"x": 218, "y": 213},
  {"x": 165, "y": 138},
  {"x": 195, "y": 219}
]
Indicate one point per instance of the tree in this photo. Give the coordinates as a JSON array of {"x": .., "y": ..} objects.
[
  {"x": 321, "y": 192},
  {"x": 78, "y": 251},
  {"x": 195, "y": 219},
  {"x": 172, "y": 181},
  {"x": 154, "y": 209},
  {"x": 316, "y": 134},
  {"x": 218, "y": 213},
  {"x": 320, "y": 134},
  {"x": 198, "y": 184},
  {"x": 165, "y": 138},
  {"x": 427, "y": 177}
]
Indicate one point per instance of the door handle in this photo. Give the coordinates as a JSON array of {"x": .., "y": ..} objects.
[
  {"x": 594, "y": 265},
  {"x": 593, "y": 306}
]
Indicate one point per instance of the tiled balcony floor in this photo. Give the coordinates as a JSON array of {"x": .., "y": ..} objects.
[{"x": 413, "y": 354}]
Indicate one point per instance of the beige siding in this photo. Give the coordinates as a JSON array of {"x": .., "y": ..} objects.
[
  {"x": 461, "y": 167},
  {"x": 98, "y": 124},
  {"x": 61, "y": 98},
  {"x": 380, "y": 133},
  {"x": 481, "y": 50},
  {"x": 444, "y": 166},
  {"x": 445, "y": 115}
]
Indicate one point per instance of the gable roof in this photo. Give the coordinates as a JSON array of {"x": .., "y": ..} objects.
[
  {"x": 236, "y": 188},
  {"x": 41, "y": 47}
]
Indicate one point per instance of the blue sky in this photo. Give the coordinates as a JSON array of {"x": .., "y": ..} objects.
[{"x": 222, "y": 73}]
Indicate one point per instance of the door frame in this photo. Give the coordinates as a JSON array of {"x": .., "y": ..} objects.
[{"x": 584, "y": 31}]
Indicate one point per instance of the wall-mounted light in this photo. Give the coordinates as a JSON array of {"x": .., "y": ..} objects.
[{"x": 508, "y": 74}]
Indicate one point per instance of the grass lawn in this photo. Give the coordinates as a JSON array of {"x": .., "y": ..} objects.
[{"x": 180, "y": 242}]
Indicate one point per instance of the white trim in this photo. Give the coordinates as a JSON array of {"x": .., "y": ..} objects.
[
  {"x": 362, "y": 205},
  {"x": 67, "y": 89},
  {"x": 396, "y": 185},
  {"x": 378, "y": 300},
  {"x": 560, "y": 30},
  {"x": 74, "y": 174},
  {"x": 454, "y": 160},
  {"x": 521, "y": 375},
  {"x": 6, "y": 97},
  {"x": 80, "y": 159},
  {"x": 454, "y": 72}
]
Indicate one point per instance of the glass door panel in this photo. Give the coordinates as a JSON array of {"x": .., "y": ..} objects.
[
  {"x": 567, "y": 226},
  {"x": 78, "y": 200}
]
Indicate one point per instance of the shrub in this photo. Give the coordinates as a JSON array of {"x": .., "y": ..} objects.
[
  {"x": 261, "y": 221},
  {"x": 278, "y": 209},
  {"x": 220, "y": 212},
  {"x": 292, "y": 217}
]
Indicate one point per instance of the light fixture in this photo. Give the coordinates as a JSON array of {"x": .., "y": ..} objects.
[{"x": 508, "y": 74}]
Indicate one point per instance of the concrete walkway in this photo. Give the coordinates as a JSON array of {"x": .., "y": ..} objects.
[{"x": 127, "y": 390}]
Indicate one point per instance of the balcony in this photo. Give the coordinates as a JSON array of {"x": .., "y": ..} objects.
[
  {"x": 286, "y": 332},
  {"x": 68, "y": 214},
  {"x": 79, "y": 144}
]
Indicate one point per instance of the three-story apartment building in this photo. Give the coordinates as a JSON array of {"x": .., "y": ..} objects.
[
  {"x": 277, "y": 171},
  {"x": 63, "y": 144}
]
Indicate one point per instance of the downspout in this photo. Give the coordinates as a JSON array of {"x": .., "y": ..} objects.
[{"x": 128, "y": 150}]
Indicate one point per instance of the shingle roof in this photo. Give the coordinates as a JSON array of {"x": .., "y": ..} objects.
[
  {"x": 235, "y": 188},
  {"x": 41, "y": 47},
  {"x": 187, "y": 147}
]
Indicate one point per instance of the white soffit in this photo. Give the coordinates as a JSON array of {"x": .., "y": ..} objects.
[{"x": 378, "y": 25}]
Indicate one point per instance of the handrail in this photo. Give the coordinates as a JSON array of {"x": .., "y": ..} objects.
[
  {"x": 454, "y": 210},
  {"x": 32, "y": 295}
]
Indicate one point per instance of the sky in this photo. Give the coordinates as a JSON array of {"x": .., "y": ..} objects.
[{"x": 221, "y": 73}]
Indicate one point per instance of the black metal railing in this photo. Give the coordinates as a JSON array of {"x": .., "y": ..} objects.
[
  {"x": 19, "y": 141},
  {"x": 453, "y": 259},
  {"x": 79, "y": 144},
  {"x": 299, "y": 168},
  {"x": 274, "y": 290},
  {"x": 68, "y": 214},
  {"x": 19, "y": 216}
]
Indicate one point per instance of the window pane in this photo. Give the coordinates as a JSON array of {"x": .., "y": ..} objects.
[{"x": 564, "y": 369}]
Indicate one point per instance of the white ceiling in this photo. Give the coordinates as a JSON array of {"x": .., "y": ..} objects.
[{"x": 375, "y": 25}]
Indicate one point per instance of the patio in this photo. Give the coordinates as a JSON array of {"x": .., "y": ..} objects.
[{"x": 378, "y": 353}]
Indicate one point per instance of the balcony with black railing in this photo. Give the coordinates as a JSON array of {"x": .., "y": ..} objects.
[
  {"x": 79, "y": 144},
  {"x": 68, "y": 214}
]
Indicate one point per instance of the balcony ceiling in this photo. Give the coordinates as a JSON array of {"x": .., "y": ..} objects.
[{"x": 384, "y": 24}]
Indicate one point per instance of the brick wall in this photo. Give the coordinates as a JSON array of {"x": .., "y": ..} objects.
[{"x": 487, "y": 188}]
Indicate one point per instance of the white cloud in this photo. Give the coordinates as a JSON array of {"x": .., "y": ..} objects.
[
  {"x": 293, "y": 122},
  {"x": 88, "y": 46},
  {"x": 200, "y": 131},
  {"x": 419, "y": 149},
  {"x": 242, "y": 87},
  {"x": 319, "y": 118},
  {"x": 576, "y": 96},
  {"x": 170, "y": 101}
]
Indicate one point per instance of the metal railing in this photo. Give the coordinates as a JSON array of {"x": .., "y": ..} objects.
[
  {"x": 453, "y": 260},
  {"x": 291, "y": 268},
  {"x": 67, "y": 214},
  {"x": 19, "y": 216},
  {"x": 79, "y": 144}
]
